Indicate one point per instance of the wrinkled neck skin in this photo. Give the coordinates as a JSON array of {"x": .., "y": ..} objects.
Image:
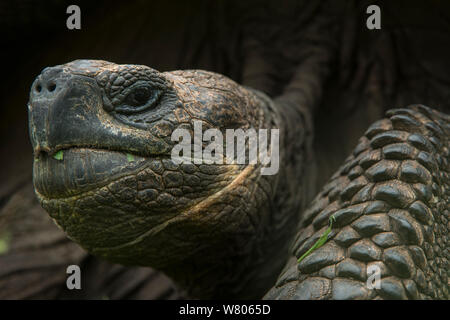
[{"x": 246, "y": 264}]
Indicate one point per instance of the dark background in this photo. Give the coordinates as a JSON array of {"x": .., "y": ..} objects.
[{"x": 256, "y": 43}]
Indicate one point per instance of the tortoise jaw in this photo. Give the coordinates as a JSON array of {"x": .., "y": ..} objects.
[{"x": 68, "y": 172}]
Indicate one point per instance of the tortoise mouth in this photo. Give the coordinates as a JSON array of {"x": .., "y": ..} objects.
[{"x": 75, "y": 170}]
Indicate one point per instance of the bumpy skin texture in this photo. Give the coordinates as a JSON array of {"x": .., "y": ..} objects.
[
  {"x": 224, "y": 230},
  {"x": 209, "y": 227},
  {"x": 390, "y": 200}
]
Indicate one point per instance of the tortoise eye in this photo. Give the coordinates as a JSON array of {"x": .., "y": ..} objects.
[{"x": 138, "y": 97}]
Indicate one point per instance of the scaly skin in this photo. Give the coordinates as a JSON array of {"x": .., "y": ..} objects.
[
  {"x": 224, "y": 230},
  {"x": 391, "y": 204},
  {"x": 211, "y": 228}
]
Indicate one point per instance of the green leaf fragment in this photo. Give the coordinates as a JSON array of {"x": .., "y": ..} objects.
[
  {"x": 4, "y": 243},
  {"x": 321, "y": 241},
  {"x": 130, "y": 157},
  {"x": 58, "y": 155}
]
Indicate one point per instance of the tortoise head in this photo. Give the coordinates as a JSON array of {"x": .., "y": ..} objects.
[{"x": 102, "y": 140}]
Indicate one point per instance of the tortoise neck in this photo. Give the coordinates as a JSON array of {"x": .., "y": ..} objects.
[{"x": 246, "y": 264}]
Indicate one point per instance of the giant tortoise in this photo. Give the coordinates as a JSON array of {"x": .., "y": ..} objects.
[
  {"x": 104, "y": 170},
  {"x": 101, "y": 138}
]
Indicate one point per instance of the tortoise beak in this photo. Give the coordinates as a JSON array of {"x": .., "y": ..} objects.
[{"x": 61, "y": 109}]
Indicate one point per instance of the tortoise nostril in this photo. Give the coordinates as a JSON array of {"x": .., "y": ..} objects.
[
  {"x": 51, "y": 87},
  {"x": 47, "y": 82}
]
